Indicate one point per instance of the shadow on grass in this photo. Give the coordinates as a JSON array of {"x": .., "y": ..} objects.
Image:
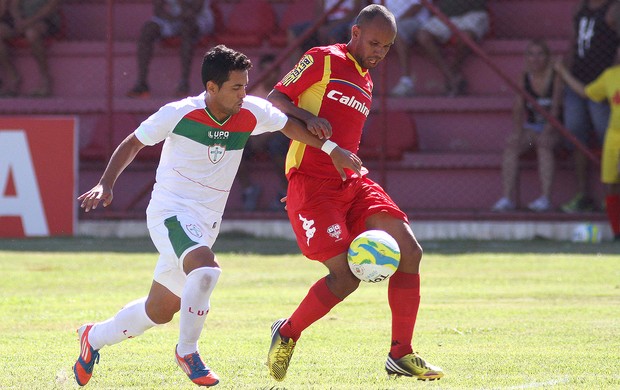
[{"x": 244, "y": 243}]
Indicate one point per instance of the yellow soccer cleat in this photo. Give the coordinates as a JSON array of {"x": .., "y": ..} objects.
[
  {"x": 280, "y": 352},
  {"x": 412, "y": 365}
]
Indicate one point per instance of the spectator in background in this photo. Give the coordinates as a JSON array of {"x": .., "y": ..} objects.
[
  {"x": 187, "y": 19},
  {"x": 593, "y": 49},
  {"x": 276, "y": 145},
  {"x": 472, "y": 18},
  {"x": 605, "y": 87},
  {"x": 531, "y": 129},
  {"x": 34, "y": 20},
  {"x": 336, "y": 28},
  {"x": 410, "y": 16}
]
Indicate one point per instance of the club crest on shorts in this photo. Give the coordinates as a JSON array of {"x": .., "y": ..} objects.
[
  {"x": 194, "y": 230},
  {"x": 216, "y": 153},
  {"x": 334, "y": 231}
]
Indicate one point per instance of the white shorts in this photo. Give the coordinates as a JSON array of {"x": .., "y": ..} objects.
[
  {"x": 476, "y": 22},
  {"x": 174, "y": 237}
]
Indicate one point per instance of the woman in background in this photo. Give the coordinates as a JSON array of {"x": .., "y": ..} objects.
[{"x": 531, "y": 129}]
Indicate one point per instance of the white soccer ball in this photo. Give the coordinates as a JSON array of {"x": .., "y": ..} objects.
[
  {"x": 373, "y": 256},
  {"x": 586, "y": 232}
]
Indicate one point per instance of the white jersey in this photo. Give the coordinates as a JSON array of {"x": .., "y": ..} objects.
[{"x": 201, "y": 155}]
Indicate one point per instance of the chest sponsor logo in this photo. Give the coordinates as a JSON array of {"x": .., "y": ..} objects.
[
  {"x": 349, "y": 101},
  {"x": 220, "y": 134},
  {"x": 216, "y": 153}
]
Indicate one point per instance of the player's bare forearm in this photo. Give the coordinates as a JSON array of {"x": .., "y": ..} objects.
[
  {"x": 296, "y": 130},
  {"x": 123, "y": 155},
  {"x": 121, "y": 158},
  {"x": 284, "y": 104}
]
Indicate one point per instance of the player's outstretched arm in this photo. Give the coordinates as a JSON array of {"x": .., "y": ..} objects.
[{"x": 123, "y": 155}]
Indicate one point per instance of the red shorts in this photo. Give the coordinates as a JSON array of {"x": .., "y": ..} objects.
[{"x": 327, "y": 214}]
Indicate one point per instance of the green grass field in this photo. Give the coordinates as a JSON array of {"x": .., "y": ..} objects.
[{"x": 494, "y": 315}]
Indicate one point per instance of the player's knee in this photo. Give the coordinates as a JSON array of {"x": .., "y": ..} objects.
[
  {"x": 342, "y": 284},
  {"x": 161, "y": 312},
  {"x": 410, "y": 253},
  {"x": 202, "y": 257},
  {"x": 161, "y": 315},
  {"x": 417, "y": 252},
  {"x": 352, "y": 283},
  {"x": 206, "y": 277}
]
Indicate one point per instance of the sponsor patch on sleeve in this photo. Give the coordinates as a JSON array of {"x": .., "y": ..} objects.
[{"x": 303, "y": 64}]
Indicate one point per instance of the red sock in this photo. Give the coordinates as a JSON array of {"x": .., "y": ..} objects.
[
  {"x": 404, "y": 300},
  {"x": 315, "y": 305},
  {"x": 612, "y": 203}
]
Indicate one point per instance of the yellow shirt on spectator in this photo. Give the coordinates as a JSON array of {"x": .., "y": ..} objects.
[{"x": 607, "y": 86}]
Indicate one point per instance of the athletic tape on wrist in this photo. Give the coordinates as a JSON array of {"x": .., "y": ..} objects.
[{"x": 328, "y": 146}]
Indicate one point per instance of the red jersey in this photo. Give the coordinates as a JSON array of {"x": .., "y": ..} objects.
[{"x": 329, "y": 83}]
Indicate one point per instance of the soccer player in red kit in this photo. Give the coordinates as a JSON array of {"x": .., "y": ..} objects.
[{"x": 331, "y": 87}]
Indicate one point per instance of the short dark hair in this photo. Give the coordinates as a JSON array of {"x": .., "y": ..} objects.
[
  {"x": 219, "y": 61},
  {"x": 372, "y": 11}
]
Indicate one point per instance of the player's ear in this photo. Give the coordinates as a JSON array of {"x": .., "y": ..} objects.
[
  {"x": 355, "y": 31},
  {"x": 211, "y": 87}
]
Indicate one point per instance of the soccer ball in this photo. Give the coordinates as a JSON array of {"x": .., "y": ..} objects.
[
  {"x": 586, "y": 232},
  {"x": 373, "y": 256}
]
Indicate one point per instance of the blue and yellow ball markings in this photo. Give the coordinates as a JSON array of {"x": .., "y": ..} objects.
[{"x": 372, "y": 252}]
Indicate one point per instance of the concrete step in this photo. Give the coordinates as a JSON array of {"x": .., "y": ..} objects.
[
  {"x": 422, "y": 184},
  {"x": 452, "y": 181}
]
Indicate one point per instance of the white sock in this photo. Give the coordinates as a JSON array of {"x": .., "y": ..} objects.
[
  {"x": 130, "y": 321},
  {"x": 195, "y": 305}
]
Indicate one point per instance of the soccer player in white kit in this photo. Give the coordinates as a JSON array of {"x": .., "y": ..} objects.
[{"x": 203, "y": 137}]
